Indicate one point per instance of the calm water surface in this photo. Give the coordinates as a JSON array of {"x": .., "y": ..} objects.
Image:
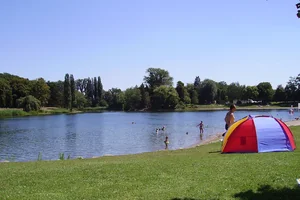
[{"x": 97, "y": 134}]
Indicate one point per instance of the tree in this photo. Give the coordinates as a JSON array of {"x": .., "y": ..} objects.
[
  {"x": 234, "y": 91},
  {"x": 280, "y": 94},
  {"x": 108, "y": 98},
  {"x": 165, "y": 97},
  {"x": 187, "y": 98},
  {"x": 197, "y": 82},
  {"x": 21, "y": 87},
  {"x": 157, "y": 77},
  {"x": 250, "y": 92},
  {"x": 67, "y": 92},
  {"x": 193, "y": 94},
  {"x": 265, "y": 91},
  {"x": 80, "y": 100},
  {"x": 133, "y": 98},
  {"x": 115, "y": 99},
  {"x": 29, "y": 103},
  {"x": 208, "y": 91},
  {"x": 180, "y": 90},
  {"x": 40, "y": 90},
  {"x": 145, "y": 97},
  {"x": 96, "y": 96},
  {"x": 5, "y": 94},
  {"x": 56, "y": 94},
  {"x": 89, "y": 91},
  {"x": 72, "y": 89},
  {"x": 222, "y": 92},
  {"x": 100, "y": 89},
  {"x": 81, "y": 85},
  {"x": 292, "y": 89}
]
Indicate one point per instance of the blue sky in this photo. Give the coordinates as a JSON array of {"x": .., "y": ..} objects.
[{"x": 248, "y": 41}]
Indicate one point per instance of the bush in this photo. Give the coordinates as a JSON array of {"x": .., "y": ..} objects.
[
  {"x": 29, "y": 103},
  {"x": 103, "y": 103},
  {"x": 180, "y": 105}
]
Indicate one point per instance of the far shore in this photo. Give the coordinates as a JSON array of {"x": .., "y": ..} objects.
[{"x": 16, "y": 112}]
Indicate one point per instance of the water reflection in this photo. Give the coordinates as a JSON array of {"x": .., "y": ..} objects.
[
  {"x": 70, "y": 134},
  {"x": 97, "y": 134}
]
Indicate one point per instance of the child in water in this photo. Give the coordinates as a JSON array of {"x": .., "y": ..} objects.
[{"x": 166, "y": 142}]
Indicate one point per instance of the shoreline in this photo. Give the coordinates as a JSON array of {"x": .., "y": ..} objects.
[
  {"x": 212, "y": 139},
  {"x": 218, "y": 136},
  {"x": 6, "y": 113}
]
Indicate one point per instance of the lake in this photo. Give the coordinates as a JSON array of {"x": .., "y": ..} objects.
[{"x": 98, "y": 134}]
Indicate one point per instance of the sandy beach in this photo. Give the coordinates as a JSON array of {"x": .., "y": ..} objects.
[{"x": 218, "y": 136}]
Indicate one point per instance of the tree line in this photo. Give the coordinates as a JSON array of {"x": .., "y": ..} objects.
[{"x": 156, "y": 92}]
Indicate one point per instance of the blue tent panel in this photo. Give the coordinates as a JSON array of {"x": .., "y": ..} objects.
[{"x": 270, "y": 136}]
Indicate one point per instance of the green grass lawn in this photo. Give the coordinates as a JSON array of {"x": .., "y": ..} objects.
[{"x": 190, "y": 174}]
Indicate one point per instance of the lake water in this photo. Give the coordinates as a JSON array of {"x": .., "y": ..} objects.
[{"x": 98, "y": 134}]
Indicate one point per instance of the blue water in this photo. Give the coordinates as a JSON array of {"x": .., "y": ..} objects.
[{"x": 98, "y": 134}]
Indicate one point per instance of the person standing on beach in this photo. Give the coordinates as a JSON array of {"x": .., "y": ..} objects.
[{"x": 229, "y": 118}]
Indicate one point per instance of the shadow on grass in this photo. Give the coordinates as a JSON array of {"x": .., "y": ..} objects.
[
  {"x": 267, "y": 192},
  {"x": 187, "y": 198},
  {"x": 215, "y": 151}
]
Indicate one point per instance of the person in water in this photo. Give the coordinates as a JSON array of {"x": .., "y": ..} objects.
[
  {"x": 201, "y": 125},
  {"x": 166, "y": 142},
  {"x": 229, "y": 118}
]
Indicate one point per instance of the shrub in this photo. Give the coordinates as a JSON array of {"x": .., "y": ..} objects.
[{"x": 29, "y": 103}]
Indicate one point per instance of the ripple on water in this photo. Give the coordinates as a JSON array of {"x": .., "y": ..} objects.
[{"x": 98, "y": 134}]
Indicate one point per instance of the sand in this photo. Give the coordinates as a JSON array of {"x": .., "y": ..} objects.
[{"x": 218, "y": 137}]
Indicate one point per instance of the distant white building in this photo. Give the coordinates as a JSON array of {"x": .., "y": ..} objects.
[{"x": 249, "y": 101}]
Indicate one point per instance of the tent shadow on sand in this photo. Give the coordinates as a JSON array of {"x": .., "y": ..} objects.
[{"x": 267, "y": 192}]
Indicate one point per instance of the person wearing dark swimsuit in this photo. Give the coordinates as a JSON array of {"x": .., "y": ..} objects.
[{"x": 229, "y": 118}]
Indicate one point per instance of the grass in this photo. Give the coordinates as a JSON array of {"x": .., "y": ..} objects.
[
  {"x": 15, "y": 112},
  {"x": 12, "y": 113},
  {"x": 212, "y": 107},
  {"x": 93, "y": 109},
  {"x": 200, "y": 173}
]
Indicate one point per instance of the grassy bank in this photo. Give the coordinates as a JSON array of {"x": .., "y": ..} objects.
[
  {"x": 190, "y": 174},
  {"x": 15, "y": 112},
  {"x": 224, "y": 107}
]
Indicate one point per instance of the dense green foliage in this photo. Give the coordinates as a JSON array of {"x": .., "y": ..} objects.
[
  {"x": 157, "y": 92},
  {"x": 189, "y": 174},
  {"x": 29, "y": 103}
]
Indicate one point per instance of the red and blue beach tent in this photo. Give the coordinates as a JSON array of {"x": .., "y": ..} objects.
[{"x": 254, "y": 134}]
